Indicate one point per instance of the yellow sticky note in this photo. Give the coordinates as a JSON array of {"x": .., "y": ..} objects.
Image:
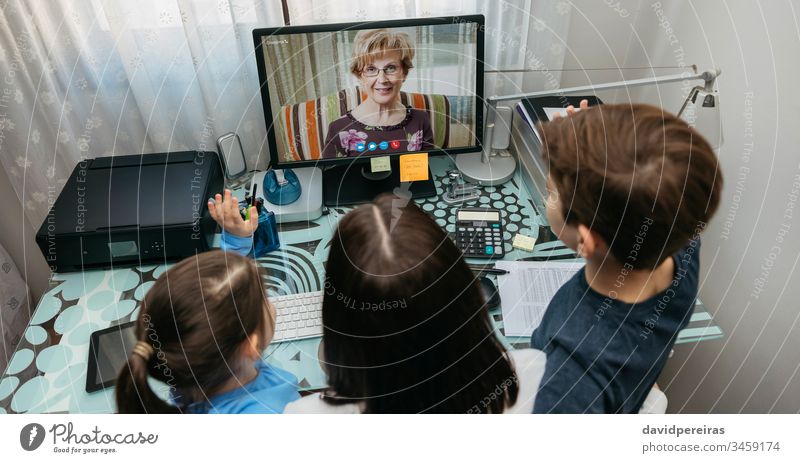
[
  {"x": 413, "y": 167},
  {"x": 524, "y": 242},
  {"x": 380, "y": 164}
]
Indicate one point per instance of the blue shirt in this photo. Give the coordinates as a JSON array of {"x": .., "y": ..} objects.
[
  {"x": 272, "y": 389},
  {"x": 238, "y": 244},
  {"x": 604, "y": 355},
  {"x": 269, "y": 392}
]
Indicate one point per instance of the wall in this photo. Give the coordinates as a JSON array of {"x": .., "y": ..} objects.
[
  {"x": 752, "y": 247},
  {"x": 17, "y": 237}
]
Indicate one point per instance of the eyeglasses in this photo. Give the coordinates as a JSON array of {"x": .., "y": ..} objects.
[{"x": 372, "y": 71}]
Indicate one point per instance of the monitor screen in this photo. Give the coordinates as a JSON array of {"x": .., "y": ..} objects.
[{"x": 339, "y": 92}]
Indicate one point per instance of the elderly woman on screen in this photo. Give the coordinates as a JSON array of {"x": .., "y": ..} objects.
[{"x": 381, "y": 124}]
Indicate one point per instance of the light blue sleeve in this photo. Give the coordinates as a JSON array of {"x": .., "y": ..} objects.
[{"x": 239, "y": 244}]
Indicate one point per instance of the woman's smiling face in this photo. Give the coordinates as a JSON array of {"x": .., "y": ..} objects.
[{"x": 385, "y": 86}]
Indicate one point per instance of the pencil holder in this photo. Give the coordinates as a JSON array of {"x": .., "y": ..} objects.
[{"x": 266, "y": 236}]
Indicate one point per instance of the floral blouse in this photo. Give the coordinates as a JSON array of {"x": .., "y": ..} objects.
[{"x": 349, "y": 137}]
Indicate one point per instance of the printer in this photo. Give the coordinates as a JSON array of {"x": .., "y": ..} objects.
[{"x": 131, "y": 210}]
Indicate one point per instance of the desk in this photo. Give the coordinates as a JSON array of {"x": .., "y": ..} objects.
[{"x": 47, "y": 372}]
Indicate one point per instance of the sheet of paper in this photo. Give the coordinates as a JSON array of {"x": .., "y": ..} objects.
[
  {"x": 551, "y": 112},
  {"x": 413, "y": 167},
  {"x": 526, "y": 290},
  {"x": 380, "y": 164}
]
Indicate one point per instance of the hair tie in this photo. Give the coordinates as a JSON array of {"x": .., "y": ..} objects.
[{"x": 143, "y": 350}]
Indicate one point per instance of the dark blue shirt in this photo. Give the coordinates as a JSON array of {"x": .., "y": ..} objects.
[{"x": 604, "y": 355}]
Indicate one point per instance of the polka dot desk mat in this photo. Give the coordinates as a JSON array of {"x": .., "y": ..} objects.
[{"x": 47, "y": 371}]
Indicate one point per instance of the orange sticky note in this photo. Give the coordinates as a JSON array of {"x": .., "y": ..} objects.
[{"x": 413, "y": 167}]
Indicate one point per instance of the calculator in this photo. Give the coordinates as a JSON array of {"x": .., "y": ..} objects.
[{"x": 479, "y": 232}]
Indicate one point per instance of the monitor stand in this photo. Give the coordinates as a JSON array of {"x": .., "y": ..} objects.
[{"x": 354, "y": 183}]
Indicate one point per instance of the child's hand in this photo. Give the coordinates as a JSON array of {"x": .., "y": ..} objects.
[
  {"x": 226, "y": 213},
  {"x": 571, "y": 109}
]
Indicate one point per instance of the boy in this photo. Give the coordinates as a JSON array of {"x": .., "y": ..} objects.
[{"x": 630, "y": 189}]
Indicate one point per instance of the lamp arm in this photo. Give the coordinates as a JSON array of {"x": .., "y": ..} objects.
[{"x": 708, "y": 76}]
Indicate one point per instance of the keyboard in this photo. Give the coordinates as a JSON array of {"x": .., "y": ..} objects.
[{"x": 299, "y": 316}]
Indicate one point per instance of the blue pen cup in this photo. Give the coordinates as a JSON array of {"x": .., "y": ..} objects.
[{"x": 266, "y": 236}]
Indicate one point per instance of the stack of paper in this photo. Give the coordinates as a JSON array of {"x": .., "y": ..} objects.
[{"x": 526, "y": 290}]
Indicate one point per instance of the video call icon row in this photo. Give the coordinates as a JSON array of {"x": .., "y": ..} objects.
[{"x": 372, "y": 146}]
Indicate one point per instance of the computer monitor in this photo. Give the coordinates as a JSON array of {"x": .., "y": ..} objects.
[{"x": 336, "y": 95}]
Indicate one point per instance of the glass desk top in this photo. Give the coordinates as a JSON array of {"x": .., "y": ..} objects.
[{"x": 47, "y": 371}]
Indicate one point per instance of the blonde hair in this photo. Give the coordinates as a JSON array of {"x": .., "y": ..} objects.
[{"x": 376, "y": 42}]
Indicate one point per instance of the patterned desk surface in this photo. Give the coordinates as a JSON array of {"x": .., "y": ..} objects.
[{"x": 47, "y": 372}]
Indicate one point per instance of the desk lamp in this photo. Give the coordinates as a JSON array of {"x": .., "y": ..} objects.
[{"x": 700, "y": 110}]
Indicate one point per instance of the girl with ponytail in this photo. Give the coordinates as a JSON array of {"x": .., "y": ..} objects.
[{"x": 200, "y": 333}]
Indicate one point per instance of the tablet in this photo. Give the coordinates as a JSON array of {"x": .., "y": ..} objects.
[
  {"x": 546, "y": 107},
  {"x": 108, "y": 352}
]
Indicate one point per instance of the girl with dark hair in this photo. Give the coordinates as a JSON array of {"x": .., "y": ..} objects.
[
  {"x": 201, "y": 332},
  {"x": 406, "y": 328}
]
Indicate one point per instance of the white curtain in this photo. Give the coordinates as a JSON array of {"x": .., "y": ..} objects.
[
  {"x": 519, "y": 34},
  {"x": 87, "y": 78}
]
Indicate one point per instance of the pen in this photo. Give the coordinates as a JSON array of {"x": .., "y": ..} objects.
[{"x": 489, "y": 270}]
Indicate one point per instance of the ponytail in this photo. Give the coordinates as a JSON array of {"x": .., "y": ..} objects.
[
  {"x": 133, "y": 392},
  {"x": 185, "y": 344}
]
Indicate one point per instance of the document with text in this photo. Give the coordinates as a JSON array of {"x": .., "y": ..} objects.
[{"x": 526, "y": 290}]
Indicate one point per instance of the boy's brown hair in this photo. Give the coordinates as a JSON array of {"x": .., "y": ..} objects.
[{"x": 638, "y": 176}]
